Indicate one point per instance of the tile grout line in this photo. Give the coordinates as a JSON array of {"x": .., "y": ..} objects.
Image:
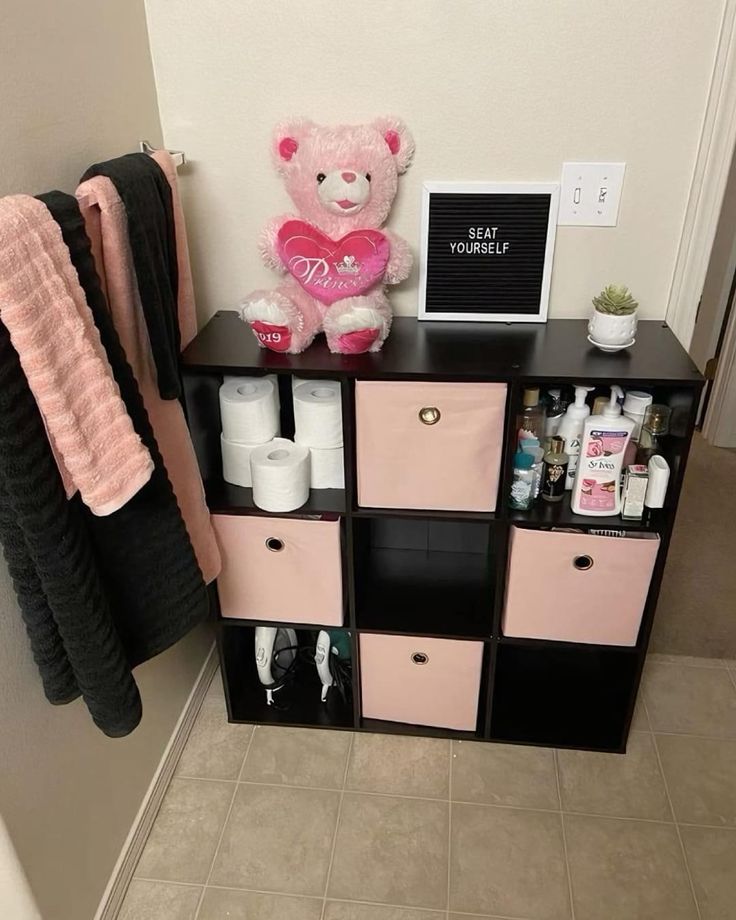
[
  {"x": 517, "y": 807},
  {"x": 419, "y": 798},
  {"x": 337, "y": 825},
  {"x": 674, "y": 818},
  {"x": 224, "y": 824},
  {"x": 449, "y": 828},
  {"x": 564, "y": 835},
  {"x": 425, "y": 910}
]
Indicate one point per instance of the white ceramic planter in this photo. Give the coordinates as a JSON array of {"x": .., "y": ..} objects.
[{"x": 608, "y": 329}]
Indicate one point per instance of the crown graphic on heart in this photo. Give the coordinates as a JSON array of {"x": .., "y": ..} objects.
[{"x": 329, "y": 269}]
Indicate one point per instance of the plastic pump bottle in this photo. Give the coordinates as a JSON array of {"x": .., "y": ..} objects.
[
  {"x": 571, "y": 429},
  {"x": 597, "y": 488}
]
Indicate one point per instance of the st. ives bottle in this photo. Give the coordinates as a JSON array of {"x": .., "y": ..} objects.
[{"x": 597, "y": 488}]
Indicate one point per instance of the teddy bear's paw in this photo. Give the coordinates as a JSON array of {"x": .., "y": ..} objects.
[
  {"x": 268, "y": 317},
  {"x": 355, "y": 342},
  {"x": 354, "y": 331}
]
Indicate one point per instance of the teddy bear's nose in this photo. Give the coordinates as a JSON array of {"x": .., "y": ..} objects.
[{"x": 348, "y": 176}]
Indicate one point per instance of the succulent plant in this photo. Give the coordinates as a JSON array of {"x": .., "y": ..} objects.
[{"x": 616, "y": 300}]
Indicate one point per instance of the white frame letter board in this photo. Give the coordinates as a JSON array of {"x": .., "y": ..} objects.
[{"x": 487, "y": 250}]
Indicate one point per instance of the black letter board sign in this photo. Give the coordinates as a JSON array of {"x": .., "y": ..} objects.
[{"x": 487, "y": 250}]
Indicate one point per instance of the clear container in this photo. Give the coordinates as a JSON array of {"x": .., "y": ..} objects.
[
  {"x": 531, "y": 421},
  {"x": 554, "y": 413},
  {"x": 654, "y": 429},
  {"x": 522, "y": 485}
]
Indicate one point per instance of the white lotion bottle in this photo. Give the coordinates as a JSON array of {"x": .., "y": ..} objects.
[
  {"x": 597, "y": 488},
  {"x": 571, "y": 429}
]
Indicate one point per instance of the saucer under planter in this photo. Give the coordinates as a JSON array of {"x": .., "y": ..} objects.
[
  {"x": 611, "y": 330},
  {"x": 610, "y": 348}
]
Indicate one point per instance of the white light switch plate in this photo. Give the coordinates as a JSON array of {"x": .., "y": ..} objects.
[{"x": 590, "y": 194}]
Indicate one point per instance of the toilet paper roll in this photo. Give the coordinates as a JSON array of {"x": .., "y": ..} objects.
[
  {"x": 249, "y": 409},
  {"x": 272, "y": 377},
  {"x": 328, "y": 468},
  {"x": 318, "y": 414},
  {"x": 236, "y": 460},
  {"x": 280, "y": 474}
]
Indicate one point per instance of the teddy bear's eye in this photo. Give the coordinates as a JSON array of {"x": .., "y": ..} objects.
[
  {"x": 321, "y": 178},
  {"x": 368, "y": 176}
]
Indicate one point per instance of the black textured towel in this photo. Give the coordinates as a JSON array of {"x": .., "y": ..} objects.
[
  {"x": 145, "y": 191},
  {"x": 49, "y": 553},
  {"x": 155, "y": 585}
]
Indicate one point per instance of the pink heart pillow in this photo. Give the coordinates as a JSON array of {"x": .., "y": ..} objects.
[{"x": 328, "y": 269}]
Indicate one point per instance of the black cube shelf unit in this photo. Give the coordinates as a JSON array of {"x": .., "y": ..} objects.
[{"x": 532, "y": 691}]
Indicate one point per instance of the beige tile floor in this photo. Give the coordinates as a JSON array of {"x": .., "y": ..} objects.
[{"x": 290, "y": 824}]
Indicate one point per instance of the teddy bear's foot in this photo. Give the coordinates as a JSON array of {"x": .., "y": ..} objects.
[
  {"x": 276, "y": 321},
  {"x": 356, "y": 330},
  {"x": 355, "y": 343}
]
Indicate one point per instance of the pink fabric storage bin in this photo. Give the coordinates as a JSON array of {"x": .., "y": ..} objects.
[
  {"x": 577, "y": 587},
  {"x": 421, "y": 681},
  {"x": 280, "y": 569},
  {"x": 429, "y": 444}
]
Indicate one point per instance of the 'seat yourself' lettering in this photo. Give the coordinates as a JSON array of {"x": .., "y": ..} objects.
[{"x": 481, "y": 241}]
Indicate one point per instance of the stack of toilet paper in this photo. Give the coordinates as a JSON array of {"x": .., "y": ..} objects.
[
  {"x": 318, "y": 427},
  {"x": 249, "y": 410}
]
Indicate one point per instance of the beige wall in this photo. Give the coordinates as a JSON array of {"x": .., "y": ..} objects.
[
  {"x": 75, "y": 86},
  {"x": 493, "y": 89}
]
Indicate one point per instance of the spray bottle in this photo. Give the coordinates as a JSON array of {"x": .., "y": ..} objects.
[
  {"x": 571, "y": 429},
  {"x": 597, "y": 487}
]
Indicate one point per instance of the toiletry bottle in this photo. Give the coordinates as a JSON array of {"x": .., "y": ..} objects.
[
  {"x": 531, "y": 446},
  {"x": 571, "y": 430},
  {"x": 530, "y": 423},
  {"x": 597, "y": 488},
  {"x": 598, "y": 403},
  {"x": 635, "y": 405},
  {"x": 522, "y": 485},
  {"x": 555, "y": 471},
  {"x": 654, "y": 428},
  {"x": 555, "y": 411},
  {"x": 659, "y": 477}
]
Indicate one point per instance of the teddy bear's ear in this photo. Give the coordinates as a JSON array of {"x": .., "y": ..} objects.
[
  {"x": 398, "y": 138},
  {"x": 287, "y": 137}
]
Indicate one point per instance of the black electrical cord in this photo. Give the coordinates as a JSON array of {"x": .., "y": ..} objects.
[{"x": 341, "y": 670}]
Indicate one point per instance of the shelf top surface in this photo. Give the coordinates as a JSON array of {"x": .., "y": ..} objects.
[{"x": 556, "y": 350}]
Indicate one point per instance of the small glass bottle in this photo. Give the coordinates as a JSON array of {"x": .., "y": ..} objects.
[
  {"x": 555, "y": 412},
  {"x": 530, "y": 424},
  {"x": 522, "y": 486},
  {"x": 555, "y": 471},
  {"x": 654, "y": 428}
]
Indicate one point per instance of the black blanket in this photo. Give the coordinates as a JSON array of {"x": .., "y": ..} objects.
[
  {"x": 145, "y": 191},
  {"x": 155, "y": 585},
  {"x": 49, "y": 553}
]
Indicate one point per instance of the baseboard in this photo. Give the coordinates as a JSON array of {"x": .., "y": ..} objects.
[{"x": 114, "y": 894}]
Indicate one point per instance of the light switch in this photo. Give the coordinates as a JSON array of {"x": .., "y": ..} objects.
[{"x": 590, "y": 194}]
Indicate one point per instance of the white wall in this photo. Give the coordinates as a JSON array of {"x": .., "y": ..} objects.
[
  {"x": 75, "y": 86},
  {"x": 493, "y": 89}
]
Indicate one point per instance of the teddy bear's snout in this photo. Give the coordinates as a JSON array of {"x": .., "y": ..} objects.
[{"x": 344, "y": 191}]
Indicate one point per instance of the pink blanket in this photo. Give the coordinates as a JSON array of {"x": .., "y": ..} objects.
[
  {"x": 45, "y": 312},
  {"x": 187, "y": 311},
  {"x": 107, "y": 228}
]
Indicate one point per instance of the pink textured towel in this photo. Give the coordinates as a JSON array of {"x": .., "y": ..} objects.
[
  {"x": 107, "y": 228},
  {"x": 185, "y": 297},
  {"x": 45, "y": 312}
]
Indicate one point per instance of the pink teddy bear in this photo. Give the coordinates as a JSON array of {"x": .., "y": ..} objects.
[{"x": 337, "y": 260}]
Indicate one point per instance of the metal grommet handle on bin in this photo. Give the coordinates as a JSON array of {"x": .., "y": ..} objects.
[
  {"x": 420, "y": 657},
  {"x": 429, "y": 415},
  {"x": 583, "y": 563},
  {"x": 275, "y": 544}
]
